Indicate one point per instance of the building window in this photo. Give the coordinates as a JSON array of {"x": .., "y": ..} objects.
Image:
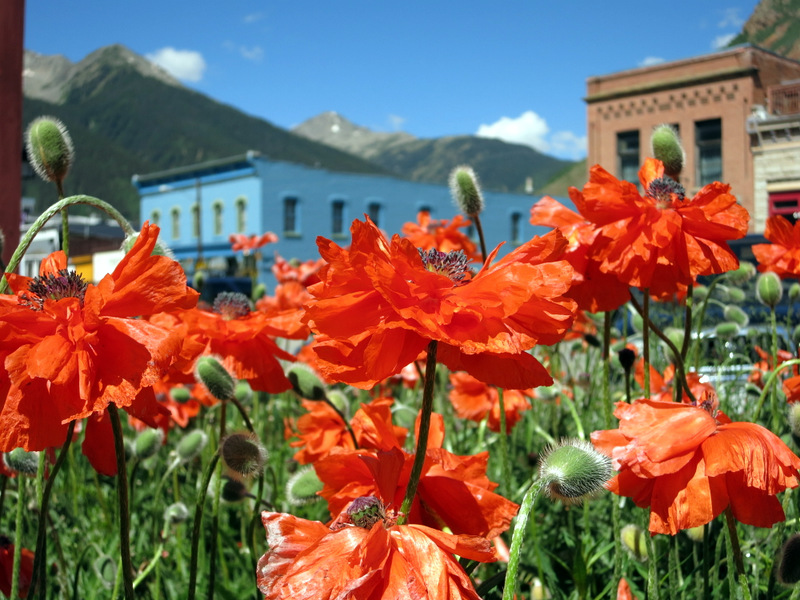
[
  {"x": 241, "y": 214},
  {"x": 708, "y": 142},
  {"x": 786, "y": 204},
  {"x": 424, "y": 208},
  {"x": 175, "y": 215},
  {"x": 628, "y": 156},
  {"x": 155, "y": 218},
  {"x": 195, "y": 220},
  {"x": 290, "y": 224},
  {"x": 337, "y": 217},
  {"x": 217, "y": 208},
  {"x": 516, "y": 227},
  {"x": 374, "y": 213}
]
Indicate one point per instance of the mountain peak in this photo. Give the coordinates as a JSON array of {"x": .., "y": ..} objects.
[{"x": 333, "y": 129}]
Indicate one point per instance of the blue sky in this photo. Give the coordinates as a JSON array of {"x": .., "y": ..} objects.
[{"x": 511, "y": 69}]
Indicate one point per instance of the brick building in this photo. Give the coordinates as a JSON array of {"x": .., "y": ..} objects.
[{"x": 707, "y": 98}]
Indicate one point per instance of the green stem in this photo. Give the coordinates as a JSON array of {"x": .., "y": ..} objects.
[
  {"x": 509, "y": 589},
  {"x": 124, "y": 509},
  {"x": 152, "y": 565},
  {"x": 198, "y": 521},
  {"x": 736, "y": 550},
  {"x": 422, "y": 437},
  {"x": 212, "y": 563},
  {"x": 646, "y": 340},
  {"x": 505, "y": 465},
  {"x": 771, "y": 379},
  {"x": 476, "y": 218},
  {"x": 27, "y": 239},
  {"x": 18, "y": 537}
]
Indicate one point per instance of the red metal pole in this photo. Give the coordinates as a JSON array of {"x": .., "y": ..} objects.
[{"x": 12, "y": 19}]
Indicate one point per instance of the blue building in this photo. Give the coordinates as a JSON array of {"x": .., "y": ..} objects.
[{"x": 199, "y": 206}]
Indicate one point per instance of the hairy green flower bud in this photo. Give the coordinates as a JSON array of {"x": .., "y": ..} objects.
[
  {"x": 147, "y": 443},
  {"x": 160, "y": 249},
  {"x": 180, "y": 394},
  {"x": 788, "y": 571},
  {"x": 675, "y": 335},
  {"x": 794, "y": 422},
  {"x": 769, "y": 289},
  {"x": 305, "y": 382},
  {"x": 726, "y": 330},
  {"x": 667, "y": 148},
  {"x": 634, "y": 541},
  {"x": 695, "y": 533},
  {"x": 743, "y": 274},
  {"x": 259, "y": 291},
  {"x": 700, "y": 293},
  {"x": 243, "y": 392},
  {"x": 573, "y": 471},
  {"x": 199, "y": 279},
  {"x": 303, "y": 486},
  {"x": 794, "y": 289},
  {"x": 210, "y": 372},
  {"x": 24, "y": 463},
  {"x": 191, "y": 445},
  {"x": 243, "y": 454},
  {"x": 234, "y": 491},
  {"x": 465, "y": 190},
  {"x": 736, "y": 295},
  {"x": 176, "y": 513},
  {"x": 50, "y": 149},
  {"x": 735, "y": 314}
]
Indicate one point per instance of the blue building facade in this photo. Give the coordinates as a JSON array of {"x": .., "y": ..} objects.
[{"x": 199, "y": 206}]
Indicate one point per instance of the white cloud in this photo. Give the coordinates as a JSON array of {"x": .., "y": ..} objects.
[
  {"x": 186, "y": 65},
  {"x": 722, "y": 40},
  {"x": 253, "y": 17},
  {"x": 649, "y": 61},
  {"x": 730, "y": 18},
  {"x": 256, "y": 53},
  {"x": 532, "y": 130},
  {"x": 529, "y": 129},
  {"x": 396, "y": 122}
]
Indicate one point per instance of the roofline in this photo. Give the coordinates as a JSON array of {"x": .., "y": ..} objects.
[{"x": 198, "y": 169}]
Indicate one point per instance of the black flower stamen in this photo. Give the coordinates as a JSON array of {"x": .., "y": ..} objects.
[
  {"x": 664, "y": 189},
  {"x": 450, "y": 264},
  {"x": 54, "y": 286},
  {"x": 232, "y": 305}
]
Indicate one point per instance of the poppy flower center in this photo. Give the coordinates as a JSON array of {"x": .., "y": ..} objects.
[
  {"x": 232, "y": 305},
  {"x": 665, "y": 189},
  {"x": 366, "y": 511},
  {"x": 450, "y": 264},
  {"x": 54, "y": 286}
]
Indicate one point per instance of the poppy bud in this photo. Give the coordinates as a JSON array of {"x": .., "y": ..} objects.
[
  {"x": 796, "y": 335},
  {"x": 243, "y": 392},
  {"x": 160, "y": 248},
  {"x": 634, "y": 542},
  {"x": 466, "y": 191},
  {"x": 305, "y": 382},
  {"x": 700, "y": 293},
  {"x": 638, "y": 322},
  {"x": 592, "y": 340},
  {"x": 794, "y": 289},
  {"x": 695, "y": 533},
  {"x": 243, "y": 454},
  {"x": 339, "y": 399},
  {"x": 675, "y": 335},
  {"x": 259, "y": 291},
  {"x": 303, "y": 486},
  {"x": 769, "y": 289},
  {"x": 626, "y": 358},
  {"x": 199, "y": 279},
  {"x": 726, "y": 330},
  {"x": 147, "y": 443},
  {"x": 667, "y": 148},
  {"x": 210, "y": 372},
  {"x": 191, "y": 445},
  {"x": 794, "y": 422},
  {"x": 743, "y": 274},
  {"x": 365, "y": 511},
  {"x": 234, "y": 491},
  {"x": 106, "y": 569},
  {"x": 789, "y": 561},
  {"x": 24, "y": 463},
  {"x": 736, "y": 295},
  {"x": 50, "y": 149},
  {"x": 176, "y": 513},
  {"x": 538, "y": 591},
  {"x": 735, "y": 314},
  {"x": 180, "y": 394},
  {"x": 573, "y": 471}
]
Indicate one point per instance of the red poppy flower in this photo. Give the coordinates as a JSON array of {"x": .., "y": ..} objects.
[
  {"x": 304, "y": 273},
  {"x": 783, "y": 255},
  {"x": 764, "y": 366},
  {"x": 380, "y": 303},
  {"x": 660, "y": 240},
  {"x": 284, "y": 309},
  {"x": 791, "y": 387},
  {"x": 474, "y": 400},
  {"x": 244, "y": 243},
  {"x": 453, "y": 491},
  {"x": 592, "y": 289},
  {"x": 71, "y": 348},
  {"x": 661, "y": 386},
  {"x": 441, "y": 235},
  {"x": 7, "y": 568},
  {"x": 321, "y": 430},
  {"x": 688, "y": 466},
  {"x": 377, "y": 560}
]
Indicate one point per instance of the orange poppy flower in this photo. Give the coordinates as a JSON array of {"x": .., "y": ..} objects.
[
  {"x": 244, "y": 243},
  {"x": 372, "y": 560},
  {"x": 592, "y": 289},
  {"x": 72, "y": 348},
  {"x": 661, "y": 240},
  {"x": 7, "y": 568},
  {"x": 661, "y": 386},
  {"x": 783, "y": 255},
  {"x": 764, "y": 366},
  {"x": 285, "y": 309},
  {"x": 453, "y": 491},
  {"x": 476, "y": 401},
  {"x": 688, "y": 465},
  {"x": 441, "y": 235},
  {"x": 791, "y": 387},
  {"x": 380, "y": 303},
  {"x": 321, "y": 430},
  {"x": 293, "y": 270}
]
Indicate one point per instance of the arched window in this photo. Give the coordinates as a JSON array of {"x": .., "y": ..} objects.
[
  {"x": 217, "y": 208},
  {"x": 175, "y": 215},
  {"x": 337, "y": 216},
  {"x": 374, "y": 210},
  {"x": 155, "y": 217},
  {"x": 195, "y": 220},
  {"x": 241, "y": 214}
]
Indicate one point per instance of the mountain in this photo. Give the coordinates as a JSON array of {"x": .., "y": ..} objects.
[
  {"x": 774, "y": 25},
  {"x": 501, "y": 166},
  {"x": 128, "y": 116}
]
